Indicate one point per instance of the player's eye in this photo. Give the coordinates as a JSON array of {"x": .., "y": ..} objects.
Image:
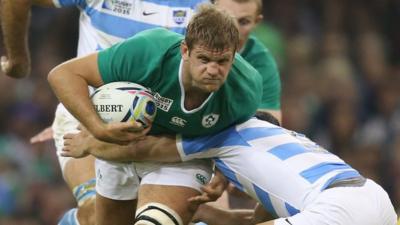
[
  {"x": 244, "y": 22},
  {"x": 204, "y": 60}
]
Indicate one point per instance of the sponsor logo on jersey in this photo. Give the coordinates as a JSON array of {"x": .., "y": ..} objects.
[
  {"x": 119, "y": 6},
  {"x": 163, "y": 103},
  {"x": 179, "y": 16},
  {"x": 209, "y": 120},
  {"x": 146, "y": 13},
  {"x": 201, "y": 179},
  {"x": 178, "y": 121}
]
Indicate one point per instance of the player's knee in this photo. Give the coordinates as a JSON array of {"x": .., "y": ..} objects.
[
  {"x": 86, "y": 213},
  {"x": 157, "y": 214}
]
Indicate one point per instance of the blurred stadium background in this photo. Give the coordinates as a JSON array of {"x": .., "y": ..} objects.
[{"x": 340, "y": 72}]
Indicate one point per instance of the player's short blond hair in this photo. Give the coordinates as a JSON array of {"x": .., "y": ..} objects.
[{"x": 213, "y": 28}]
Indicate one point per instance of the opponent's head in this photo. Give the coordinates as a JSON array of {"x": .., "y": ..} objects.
[
  {"x": 209, "y": 47},
  {"x": 248, "y": 13},
  {"x": 266, "y": 116}
]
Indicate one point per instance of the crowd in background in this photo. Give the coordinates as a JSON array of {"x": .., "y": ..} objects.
[{"x": 340, "y": 72}]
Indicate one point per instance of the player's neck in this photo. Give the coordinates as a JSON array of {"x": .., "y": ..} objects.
[
  {"x": 194, "y": 100},
  {"x": 194, "y": 96}
]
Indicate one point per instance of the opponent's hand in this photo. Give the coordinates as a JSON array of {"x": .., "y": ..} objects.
[
  {"x": 15, "y": 68},
  {"x": 122, "y": 133},
  {"x": 77, "y": 145},
  {"x": 211, "y": 191},
  {"x": 212, "y": 215},
  {"x": 44, "y": 135}
]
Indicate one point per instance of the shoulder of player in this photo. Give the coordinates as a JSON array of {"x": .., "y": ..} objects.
[
  {"x": 244, "y": 78},
  {"x": 255, "y": 48},
  {"x": 243, "y": 70}
]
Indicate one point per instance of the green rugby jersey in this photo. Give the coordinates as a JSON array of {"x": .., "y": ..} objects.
[
  {"x": 152, "y": 58},
  {"x": 257, "y": 55}
]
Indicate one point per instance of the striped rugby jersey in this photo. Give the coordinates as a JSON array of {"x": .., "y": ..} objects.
[
  {"x": 106, "y": 22},
  {"x": 282, "y": 169}
]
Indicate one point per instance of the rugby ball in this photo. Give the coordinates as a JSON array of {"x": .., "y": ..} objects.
[{"x": 124, "y": 101}]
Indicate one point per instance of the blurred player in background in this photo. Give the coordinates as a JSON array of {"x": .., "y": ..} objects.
[
  {"x": 293, "y": 178},
  {"x": 102, "y": 23}
]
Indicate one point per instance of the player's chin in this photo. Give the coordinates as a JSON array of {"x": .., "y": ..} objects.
[{"x": 212, "y": 86}]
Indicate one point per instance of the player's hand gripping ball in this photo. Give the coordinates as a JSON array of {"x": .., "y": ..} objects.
[{"x": 124, "y": 101}]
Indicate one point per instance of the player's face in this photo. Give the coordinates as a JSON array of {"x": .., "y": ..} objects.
[
  {"x": 245, "y": 14},
  {"x": 207, "y": 68}
]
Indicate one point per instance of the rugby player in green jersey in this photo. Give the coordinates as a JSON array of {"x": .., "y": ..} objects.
[{"x": 201, "y": 87}]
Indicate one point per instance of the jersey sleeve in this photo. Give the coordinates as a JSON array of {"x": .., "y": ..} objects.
[
  {"x": 209, "y": 146},
  {"x": 262, "y": 60},
  {"x": 137, "y": 58},
  {"x": 271, "y": 98}
]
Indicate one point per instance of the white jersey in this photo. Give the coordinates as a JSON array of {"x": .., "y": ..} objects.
[
  {"x": 283, "y": 170},
  {"x": 106, "y": 22}
]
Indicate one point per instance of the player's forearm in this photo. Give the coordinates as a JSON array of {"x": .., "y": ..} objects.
[
  {"x": 15, "y": 19},
  {"x": 15, "y": 16},
  {"x": 108, "y": 151},
  {"x": 148, "y": 148},
  {"x": 71, "y": 88},
  {"x": 156, "y": 149}
]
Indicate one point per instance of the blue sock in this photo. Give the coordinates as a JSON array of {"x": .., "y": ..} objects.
[{"x": 69, "y": 218}]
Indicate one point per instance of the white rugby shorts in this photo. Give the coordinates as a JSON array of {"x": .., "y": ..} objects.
[
  {"x": 366, "y": 205},
  {"x": 120, "y": 181},
  {"x": 63, "y": 123}
]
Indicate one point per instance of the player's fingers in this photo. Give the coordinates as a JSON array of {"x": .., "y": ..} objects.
[
  {"x": 199, "y": 199},
  {"x": 37, "y": 139},
  {"x": 34, "y": 140},
  {"x": 211, "y": 194},
  {"x": 5, "y": 64},
  {"x": 133, "y": 126},
  {"x": 68, "y": 136},
  {"x": 65, "y": 153}
]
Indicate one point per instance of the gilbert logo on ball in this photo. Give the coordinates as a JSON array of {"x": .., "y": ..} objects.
[{"x": 124, "y": 101}]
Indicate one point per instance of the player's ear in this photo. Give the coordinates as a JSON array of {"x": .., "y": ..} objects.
[
  {"x": 184, "y": 51},
  {"x": 259, "y": 18}
]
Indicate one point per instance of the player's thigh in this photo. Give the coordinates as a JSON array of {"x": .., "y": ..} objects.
[
  {"x": 79, "y": 171},
  {"x": 116, "y": 185},
  {"x": 172, "y": 184},
  {"x": 116, "y": 212},
  {"x": 118, "y": 181},
  {"x": 172, "y": 197}
]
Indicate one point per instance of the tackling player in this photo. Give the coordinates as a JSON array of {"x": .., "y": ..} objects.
[{"x": 291, "y": 177}]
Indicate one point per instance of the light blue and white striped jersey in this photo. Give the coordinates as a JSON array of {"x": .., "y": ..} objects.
[
  {"x": 106, "y": 22},
  {"x": 283, "y": 170}
]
